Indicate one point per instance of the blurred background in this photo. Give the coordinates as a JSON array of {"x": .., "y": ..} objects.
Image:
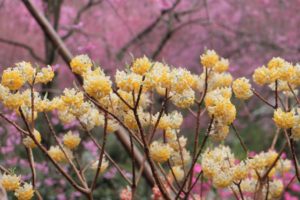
[{"x": 111, "y": 32}]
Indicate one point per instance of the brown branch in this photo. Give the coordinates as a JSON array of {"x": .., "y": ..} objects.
[
  {"x": 276, "y": 94},
  {"x": 240, "y": 139},
  {"x": 106, "y": 154},
  {"x": 294, "y": 94},
  {"x": 101, "y": 155},
  {"x": 78, "y": 16},
  {"x": 146, "y": 30},
  {"x": 14, "y": 124},
  {"x": 147, "y": 153},
  {"x": 24, "y": 46},
  {"x": 262, "y": 98}
]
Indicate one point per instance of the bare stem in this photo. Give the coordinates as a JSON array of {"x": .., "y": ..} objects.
[
  {"x": 101, "y": 155},
  {"x": 262, "y": 98}
]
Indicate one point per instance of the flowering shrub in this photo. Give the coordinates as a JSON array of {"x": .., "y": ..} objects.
[{"x": 148, "y": 100}]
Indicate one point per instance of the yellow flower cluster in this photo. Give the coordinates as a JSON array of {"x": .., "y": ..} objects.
[
  {"x": 283, "y": 119},
  {"x": 29, "y": 142},
  {"x": 59, "y": 155},
  {"x": 25, "y": 192},
  {"x": 160, "y": 152},
  {"x": 209, "y": 59},
  {"x": 220, "y": 165},
  {"x": 81, "y": 64},
  {"x": 104, "y": 165},
  {"x": 12, "y": 182},
  {"x": 218, "y": 85},
  {"x": 96, "y": 84},
  {"x": 15, "y": 78},
  {"x": 172, "y": 120},
  {"x": 71, "y": 140},
  {"x": 173, "y": 150},
  {"x": 278, "y": 70},
  {"x": 178, "y": 172},
  {"x": 242, "y": 88},
  {"x": 141, "y": 65}
]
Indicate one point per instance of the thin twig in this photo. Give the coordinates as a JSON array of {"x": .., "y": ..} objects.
[
  {"x": 52, "y": 131},
  {"x": 294, "y": 94},
  {"x": 240, "y": 139},
  {"x": 106, "y": 154},
  {"x": 263, "y": 99},
  {"x": 101, "y": 154}
]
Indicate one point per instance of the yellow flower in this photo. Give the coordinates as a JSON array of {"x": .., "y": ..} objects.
[
  {"x": 286, "y": 72},
  {"x": 72, "y": 97},
  {"x": 296, "y": 129},
  {"x": 217, "y": 80},
  {"x": 182, "y": 80},
  {"x": 276, "y": 62},
  {"x": 160, "y": 152},
  {"x": 270, "y": 157},
  {"x": 242, "y": 88},
  {"x": 171, "y": 134},
  {"x": 176, "y": 157},
  {"x": 221, "y": 66},
  {"x": 92, "y": 118},
  {"x": 178, "y": 172},
  {"x": 45, "y": 75},
  {"x": 222, "y": 179},
  {"x": 249, "y": 185},
  {"x": 175, "y": 144},
  {"x": 28, "y": 141},
  {"x": 224, "y": 111},
  {"x": 283, "y": 166},
  {"x": 276, "y": 188},
  {"x": 258, "y": 162},
  {"x": 240, "y": 171},
  {"x": 70, "y": 140},
  {"x": 219, "y": 94},
  {"x": 25, "y": 192},
  {"x": 261, "y": 76},
  {"x": 112, "y": 125},
  {"x": 96, "y": 84},
  {"x": 13, "y": 101},
  {"x": 10, "y": 182},
  {"x": 283, "y": 119},
  {"x": 219, "y": 132},
  {"x": 4, "y": 91},
  {"x": 81, "y": 64},
  {"x": 65, "y": 116},
  {"x": 12, "y": 79},
  {"x": 295, "y": 79},
  {"x": 184, "y": 100},
  {"x": 172, "y": 120},
  {"x": 141, "y": 65},
  {"x": 58, "y": 155},
  {"x": 128, "y": 81},
  {"x": 28, "y": 71},
  {"x": 56, "y": 103},
  {"x": 209, "y": 58},
  {"x": 103, "y": 167}
]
